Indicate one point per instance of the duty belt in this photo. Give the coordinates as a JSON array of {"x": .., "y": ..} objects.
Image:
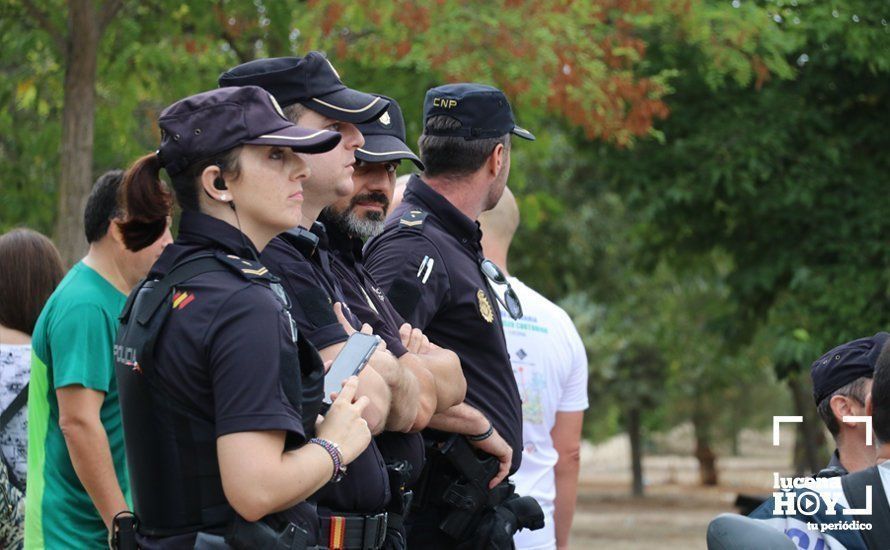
[{"x": 352, "y": 532}]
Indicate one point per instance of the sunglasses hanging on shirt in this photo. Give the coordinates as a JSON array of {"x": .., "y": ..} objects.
[{"x": 510, "y": 301}]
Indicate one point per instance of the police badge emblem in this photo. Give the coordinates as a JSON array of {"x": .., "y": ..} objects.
[
  {"x": 485, "y": 309},
  {"x": 385, "y": 120}
]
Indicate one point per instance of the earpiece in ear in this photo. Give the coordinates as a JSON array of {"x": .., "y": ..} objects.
[{"x": 220, "y": 184}]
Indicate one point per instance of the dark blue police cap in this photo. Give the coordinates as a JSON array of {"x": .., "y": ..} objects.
[
  {"x": 311, "y": 81},
  {"x": 846, "y": 363},
  {"x": 483, "y": 111},
  {"x": 385, "y": 137},
  {"x": 206, "y": 124}
]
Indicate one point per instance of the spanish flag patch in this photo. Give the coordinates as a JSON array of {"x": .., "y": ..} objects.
[{"x": 182, "y": 299}]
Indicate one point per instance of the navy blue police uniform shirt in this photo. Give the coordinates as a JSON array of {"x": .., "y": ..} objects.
[
  {"x": 370, "y": 305},
  {"x": 366, "y": 301},
  {"x": 312, "y": 293},
  {"x": 365, "y": 487},
  {"x": 427, "y": 260},
  {"x": 228, "y": 348}
]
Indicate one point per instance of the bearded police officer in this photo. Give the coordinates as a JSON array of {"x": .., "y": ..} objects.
[
  {"x": 429, "y": 262},
  {"x": 348, "y": 222}
]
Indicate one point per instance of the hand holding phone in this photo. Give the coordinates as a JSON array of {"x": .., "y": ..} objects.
[{"x": 349, "y": 362}]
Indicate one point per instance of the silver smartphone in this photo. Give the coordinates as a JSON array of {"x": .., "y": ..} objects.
[{"x": 349, "y": 362}]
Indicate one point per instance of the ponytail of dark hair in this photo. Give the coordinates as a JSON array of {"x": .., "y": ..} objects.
[{"x": 147, "y": 203}]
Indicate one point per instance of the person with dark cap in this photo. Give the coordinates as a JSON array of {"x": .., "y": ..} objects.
[
  {"x": 850, "y": 511},
  {"x": 842, "y": 379},
  {"x": 312, "y": 95},
  {"x": 220, "y": 393},
  {"x": 348, "y": 223},
  {"x": 361, "y": 215},
  {"x": 429, "y": 261}
]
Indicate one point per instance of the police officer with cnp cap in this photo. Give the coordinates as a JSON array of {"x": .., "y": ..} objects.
[
  {"x": 352, "y": 511},
  {"x": 219, "y": 391},
  {"x": 429, "y": 262},
  {"x": 842, "y": 379}
]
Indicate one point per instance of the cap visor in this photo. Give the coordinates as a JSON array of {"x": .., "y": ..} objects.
[
  {"x": 299, "y": 139},
  {"x": 348, "y": 105},
  {"x": 523, "y": 133},
  {"x": 383, "y": 148}
]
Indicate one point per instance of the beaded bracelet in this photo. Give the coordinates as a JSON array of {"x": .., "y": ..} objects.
[
  {"x": 334, "y": 450},
  {"x": 483, "y": 436}
]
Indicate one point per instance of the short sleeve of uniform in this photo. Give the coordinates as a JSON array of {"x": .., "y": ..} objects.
[
  {"x": 411, "y": 272},
  {"x": 81, "y": 343},
  {"x": 248, "y": 345},
  {"x": 312, "y": 308},
  {"x": 574, "y": 394}
]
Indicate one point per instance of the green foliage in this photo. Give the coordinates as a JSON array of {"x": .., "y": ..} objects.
[
  {"x": 744, "y": 231},
  {"x": 787, "y": 180}
]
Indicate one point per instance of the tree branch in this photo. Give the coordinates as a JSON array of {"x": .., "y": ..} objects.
[
  {"x": 42, "y": 19},
  {"x": 233, "y": 43},
  {"x": 108, "y": 12}
]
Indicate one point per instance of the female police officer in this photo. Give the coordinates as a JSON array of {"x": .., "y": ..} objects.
[{"x": 219, "y": 394}]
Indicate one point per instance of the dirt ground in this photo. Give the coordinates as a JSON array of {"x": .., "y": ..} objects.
[{"x": 676, "y": 510}]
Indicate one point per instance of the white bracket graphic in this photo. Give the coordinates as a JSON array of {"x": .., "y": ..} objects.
[
  {"x": 860, "y": 419},
  {"x": 862, "y": 511},
  {"x": 777, "y": 421}
]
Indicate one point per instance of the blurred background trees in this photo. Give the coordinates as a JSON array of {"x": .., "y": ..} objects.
[{"x": 706, "y": 196}]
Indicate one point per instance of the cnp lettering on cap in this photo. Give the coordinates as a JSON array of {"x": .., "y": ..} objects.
[{"x": 444, "y": 102}]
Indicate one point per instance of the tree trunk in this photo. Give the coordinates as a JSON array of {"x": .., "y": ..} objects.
[
  {"x": 76, "y": 176},
  {"x": 634, "y": 432},
  {"x": 809, "y": 446},
  {"x": 707, "y": 459}
]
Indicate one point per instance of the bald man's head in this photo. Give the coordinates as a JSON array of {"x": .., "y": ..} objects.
[
  {"x": 399, "y": 192},
  {"x": 500, "y": 223}
]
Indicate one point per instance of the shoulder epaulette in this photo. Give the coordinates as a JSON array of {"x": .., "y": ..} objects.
[
  {"x": 304, "y": 240},
  {"x": 413, "y": 219},
  {"x": 249, "y": 269}
]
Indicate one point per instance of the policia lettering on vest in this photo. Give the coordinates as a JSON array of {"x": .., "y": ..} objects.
[
  {"x": 219, "y": 389},
  {"x": 429, "y": 262}
]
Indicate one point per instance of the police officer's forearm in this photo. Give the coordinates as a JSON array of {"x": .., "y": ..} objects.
[
  {"x": 419, "y": 393},
  {"x": 403, "y": 391},
  {"x": 372, "y": 385},
  {"x": 258, "y": 478},
  {"x": 451, "y": 386},
  {"x": 461, "y": 419}
]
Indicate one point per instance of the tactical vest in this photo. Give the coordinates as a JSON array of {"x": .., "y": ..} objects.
[{"x": 170, "y": 445}]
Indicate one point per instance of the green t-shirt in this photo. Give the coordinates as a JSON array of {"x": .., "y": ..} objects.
[{"x": 72, "y": 345}]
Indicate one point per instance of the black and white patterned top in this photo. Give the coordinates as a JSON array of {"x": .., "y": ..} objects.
[{"x": 15, "y": 371}]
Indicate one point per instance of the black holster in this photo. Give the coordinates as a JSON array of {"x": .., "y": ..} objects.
[
  {"x": 399, "y": 474},
  {"x": 456, "y": 482}
]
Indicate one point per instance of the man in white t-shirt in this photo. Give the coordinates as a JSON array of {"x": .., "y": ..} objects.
[{"x": 550, "y": 366}]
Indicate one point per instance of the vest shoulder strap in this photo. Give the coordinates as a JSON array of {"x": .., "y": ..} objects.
[
  {"x": 181, "y": 272},
  {"x": 302, "y": 239}
]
